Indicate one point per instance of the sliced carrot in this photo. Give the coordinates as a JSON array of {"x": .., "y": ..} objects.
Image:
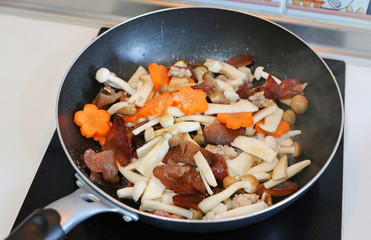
[
  {"x": 92, "y": 121},
  {"x": 159, "y": 75},
  {"x": 190, "y": 100},
  {"x": 283, "y": 127},
  {"x": 190, "y": 80},
  {"x": 236, "y": 120},
  {"x": 101, "y": 140},
  {"x": 152, "y": 107}
]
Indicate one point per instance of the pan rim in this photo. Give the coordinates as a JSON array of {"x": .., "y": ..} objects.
[{"x": 276, "y": 206}]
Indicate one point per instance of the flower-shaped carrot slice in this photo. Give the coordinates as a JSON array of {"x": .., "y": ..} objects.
[
  {"x": 92, "y": 121},
  {"x": 190, "y": 100},
  {"x": 236, "y": 120}
]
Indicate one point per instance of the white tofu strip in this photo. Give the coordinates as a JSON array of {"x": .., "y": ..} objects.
[
  {"x": 205, "y": 169},
  {"x": 240, "y": 211},
  {"x": 125, "y": 192},
  {"x": 197, "y": 118},
  {"x": 132, "y": 176},
  {"x": 291, "y": 171},
  {"x": 209, "y": 203},
  {"x": 150, "y": 205},
  {"x": 264, "y": 166},
  {"x": 254, "y": 147},
  {"x": 146, "y": 148},
  {"x": 143, "y": 127}
]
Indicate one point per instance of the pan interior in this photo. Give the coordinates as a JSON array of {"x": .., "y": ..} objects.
[{"x": 194, "y": 34}]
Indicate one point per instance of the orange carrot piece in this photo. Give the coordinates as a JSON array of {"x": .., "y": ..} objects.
[
  {"x": 190, "y": 80},
  {"x": 159, "y": 75},
  {"x": 282, "y": 128},
  {"x": 101, "y": 140},
  {"x": 92, "y": 121},
  {"x": 190, "y": 100},
  {"x": 236, "y": 120},
  {"x": 152, "y": 107}
]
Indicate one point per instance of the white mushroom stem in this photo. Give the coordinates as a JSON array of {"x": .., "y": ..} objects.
[
  {"x": 209, "y": 203},
  {"x": 138, "y": 190},
  {"x": 149, "y": 134},
  {"x": 117, "y": 106},
  {"x": 134, "y": 80},
  {"x": 174, "y": 111},
  {"x": 224, "y": 68},
  {"x": 254, "y": 147},
  {"x": 264, "y": 113},
  {"x": 241, "y": 211},
  {"x": 143, "y": 127},
  {"x": 103, "y": 75},
  {"x": 242, "y": 105},
  {"x": 220, "y": 208},
  {"x": 125, "y": 192},
  {"x": 264, "y": 166},
  {"x": 151, "y": 205},
  {"x": 182, "y": 127},
  {"x": 259, "y": 72},
  {"x": 166, "y": 120},
  {"x": 206, "y": 120},
  {"x": 146, "y": 148},
  {"x": 261, "y": 176},
  {"x": 140, "y": 97},
  {"x": 241, "y": 164},
  {"x": 229, "y": 91},
  {"x": 291, "y": 171},
  {"x": 289, "y": 134},
  {"x": 280, "y": 170},
  {"x": 271, "y": 141},
  {"x": 167, "y": 197},
  {"x": 154, "y": 189},
  {"x": 205, "y": 169},
  {"x": 132, "y": 176}
]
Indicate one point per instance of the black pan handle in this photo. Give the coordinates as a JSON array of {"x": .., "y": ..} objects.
[
  {"x": 59, "y": 217},
  {"x": 41, "y": 224}
]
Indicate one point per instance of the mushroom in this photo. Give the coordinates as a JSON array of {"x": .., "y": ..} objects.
[
  {"x": 245, "y": 210},
  {"x": 205, "y": 169},
  {"x": 241, "y": 164},
  {"x": 206, "y": 120},
  {"x": 264, "y": 113},
  {"x": 146, "y": 148},
  {"x": 229, "y": 91},
  {"x": 138, "y": 190},
  {"x": 259, "y": 73},
  {"x": 220, "y": 208},
  {"x": 294, "y": 150},
  {"x": 126, "y": 192},
  {"x": 143, "y": 127},
  {"x": 115, "y": 107},
  {"x": 291, "y": 171},
  {"x": 264, "y": 167},
  {"x": 149, "y": 134},
  {"x": 167, "y": 197},
  {"x": 229, "y": 181},
  {"x": 207, "y": 186},
  {"x": 103, "y": 75},
  {"x": 154, "y": 189},
  {"x": 250, "y": 131},
  {"x": 261, "y": 176},
  {"x": 140, "y": 97},
  {"x": 224, "y": 68},
  {"x": 199, "y": 138},
  {"x": 150, "y": 205},
  {"x": 242, "y": 105},
  {"x": 299, "y": 104},
  {"x": 210, "y": 202},
  {"x": 199, "y": 71},
  {"x": 289, "y": 117},
  {"x": 280, "y": 170},
  {"x": 180, "y": 63},
  {"x": 254, "y": 147},
  {"x": 182, "y": 127},
  {"x": 166, "y": 120},
  {"x": 134, "y": 81},
  {"x": 132, "y": 176},
  {"x": 272, "y": 121},
  {"x": 271, "y": 141},
  {"x": 174, "y": 111}
]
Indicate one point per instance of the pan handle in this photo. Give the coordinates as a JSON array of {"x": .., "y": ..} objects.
[{"x": 59, "y": 217}]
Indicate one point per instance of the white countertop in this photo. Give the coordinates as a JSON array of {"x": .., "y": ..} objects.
[{"x": 34, "y": 55}]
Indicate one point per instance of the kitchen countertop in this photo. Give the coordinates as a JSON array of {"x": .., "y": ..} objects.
[{"x": 36, "y": 55}]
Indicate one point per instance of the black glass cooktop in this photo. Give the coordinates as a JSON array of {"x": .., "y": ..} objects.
[{"x": 316, "y": 215}]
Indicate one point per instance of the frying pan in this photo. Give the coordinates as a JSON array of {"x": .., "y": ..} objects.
[{"x": 192, "y": 34}]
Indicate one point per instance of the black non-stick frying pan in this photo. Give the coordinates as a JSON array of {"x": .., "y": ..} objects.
[{"x": 192, "y": 34}]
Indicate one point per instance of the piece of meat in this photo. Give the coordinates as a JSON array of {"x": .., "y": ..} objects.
[
  {"x": 218, "y": 134},
  {"x": 102, "y": 162},
  {"x": 226, "y": 151},
  {"x": 259, "y": 100},
  {"x": 164, "y": 213},
  {"x": 209, "y": 86},
  {"x": 107, "y": 96},
  {"x": 244, "y": 199},
  {"x": 182, "y": 179},
  {"x": 119, "y": 140},
  {"x": 187, "y": 201}
]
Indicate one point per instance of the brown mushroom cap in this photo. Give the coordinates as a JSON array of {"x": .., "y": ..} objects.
[
  {"x": 299, "y": 104},
  {"x": 289, "y": 117},
  {"x": 297, "y": 150},
  {"x": 254, "y": 182}
]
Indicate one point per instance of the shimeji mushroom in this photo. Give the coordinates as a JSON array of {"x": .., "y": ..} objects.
[
  {"x": 135, "y": 81},
  {"x": 299, "y": 104},
  {"x": 224, "y": 68},
  {"x": 289, "y": 134},
  {"x": 206, "y": 120},
  {"x": 264, "y": 166},
  {"x": 271, "y": 141},
  {"x": 259, "y": 72},
  {"x": 199, "y": 72},
  {"x": 146, "y": 148},
  {"x": 240, "y": 211},
  {"x": 174, "y": 111},
  {"x": 166, "y": 120},
  {"x": 126, "y": 192},
  {"x": 242, "y": 105},
  {"x": 151, "y": 205},
  {"x": 228, "y": 91},
  {"x": 240, "y": 165},
  {"x": 294, "y": 150},
  {"x": 250, "y": 131},
  {"x": 143, "y": 127},
  {"x": 149, "y": 134},
  {"x": 261, "y": 176},
  {"x": 103, "y": 75},
  {"x": 140, "y": 97},
  {"x": 291, "y": 171},
  {"x": 117, "y": 106},
  {"x": 280, "y": 170},
  {"x": 254, "y": 147},
  {"x": 182, "y": 127},
  {"x": 210, "y": 202}
]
